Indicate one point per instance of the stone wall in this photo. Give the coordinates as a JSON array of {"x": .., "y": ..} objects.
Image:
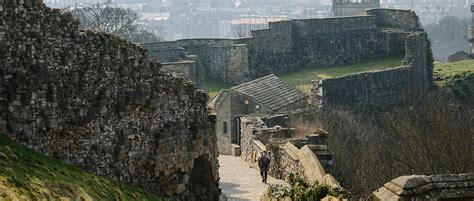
[
  {"x": 458, "y": 56},
  {"x": 176, "y": 59},
  {"x": 192, "y": 69},
  {"x": 395, "y": 19},
  {"x": 421, "y": 187},
  {"x": 96, "y": 101},
  {"x": 352, "y": 7},
  {"x": 301, "y": 43},
  {"x": 222, "y": 59},
  {"x": 382, "y": 88},
  {"x": 286, "y": 157}
]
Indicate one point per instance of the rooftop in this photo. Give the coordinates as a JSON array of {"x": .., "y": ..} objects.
[{"x": 270, "y": 91}]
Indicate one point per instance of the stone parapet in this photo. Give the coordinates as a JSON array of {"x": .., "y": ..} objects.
[
  {"x": 286, "y": 157},
  {"x": 421, "y": 187}
]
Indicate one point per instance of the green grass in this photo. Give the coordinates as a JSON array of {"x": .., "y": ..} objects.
[
  {"x": 28, "y": 175},
  {"x": 213, "y": 87},
  {"x": 446, "y": 74},
  {"x": 302, "y": 78}
]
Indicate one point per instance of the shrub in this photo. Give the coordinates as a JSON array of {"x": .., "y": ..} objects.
[{"x": 301, "y": 189}]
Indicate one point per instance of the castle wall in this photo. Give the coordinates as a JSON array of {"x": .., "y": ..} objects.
[
  {"x": 96, "y": 101},
  {"x": 422, "y": 187},
  {"x": 395, "y": 19},
  {"x": 286, "y": 157},
  {"x": 387, "y": 87},
  {"x": 221, "y": 59},
  {"x": 320, "y": 43},
  {"x": 288, "y": 46}
]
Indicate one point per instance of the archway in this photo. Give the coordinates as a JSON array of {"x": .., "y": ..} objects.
[{"x": 201, "y": 184}]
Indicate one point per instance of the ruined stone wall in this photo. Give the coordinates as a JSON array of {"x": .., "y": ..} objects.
[
  {"x": 395, "y": 19},
  {"x": 189, "y": 68},
  {"x": 96, "y": 101},
  {"x": 422, "y": 187},
  {"x": 286, "y": 157},
  {"x": 222, "y": 59},
  {"x": 382, "y": 88},
  {"x": 288, "y": 46}
]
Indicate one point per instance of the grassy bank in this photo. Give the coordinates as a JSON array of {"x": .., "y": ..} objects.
[
  {"x": 28, "y": 175},
  {"x": 302, "y": 78},
  {"x": 448, "y": 74},
  {"x": 213, "y": 87}
]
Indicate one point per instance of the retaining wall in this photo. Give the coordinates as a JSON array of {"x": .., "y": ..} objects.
[{"x": 96, "y": 101}]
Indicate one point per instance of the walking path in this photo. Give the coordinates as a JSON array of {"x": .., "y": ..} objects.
[{"x": 238, "y": 181}]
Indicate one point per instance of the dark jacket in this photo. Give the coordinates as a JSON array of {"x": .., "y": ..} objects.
[{"x": 264, "y": 162}]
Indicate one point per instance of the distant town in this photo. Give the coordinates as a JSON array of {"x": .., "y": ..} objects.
[{"x": 179, "y": 19}]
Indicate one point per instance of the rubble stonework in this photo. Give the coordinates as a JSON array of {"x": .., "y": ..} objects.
[
  {"x": 95, "y": 101},
  {"x": 289, "y": 154},
  {"x": 302, "y": 43},
  {"x": 385, "y": 87},
  {"x": 421, "y": 187}
]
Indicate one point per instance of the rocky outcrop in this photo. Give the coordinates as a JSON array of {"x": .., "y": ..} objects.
[{"x": 96, "y": 101}]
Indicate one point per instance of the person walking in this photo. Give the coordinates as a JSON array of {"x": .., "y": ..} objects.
[{"x": 264, "y": 164}]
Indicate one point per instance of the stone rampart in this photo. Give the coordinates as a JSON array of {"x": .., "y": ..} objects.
[
  {"x": 288, "y": 46},
  {"x": 286, "y": 157},
  {"x": 382, "y": 88},
  {"x": 222, "y": 59},
  {"x": 96, "y": 101},
  {"x": 421, "y": 187},
  {"x": 395, "y": 19}
]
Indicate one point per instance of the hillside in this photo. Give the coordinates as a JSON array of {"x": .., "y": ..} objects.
[
  {"x": 28, "y": 175},
  {"x": 457, "y": 78},
  {"x": 446, "y": 74},
  {"x": 302, "y": 78}
]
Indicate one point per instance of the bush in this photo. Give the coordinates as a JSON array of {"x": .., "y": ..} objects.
[
  {"x": 371, "y": 148},
  {"x": 301, "y": 189}
]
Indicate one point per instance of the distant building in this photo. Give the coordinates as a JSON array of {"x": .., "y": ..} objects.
[
  {"x": 265, "y": 95},
  {"x": 432, "y": 11},
  {"x": 352, "y": 7}
]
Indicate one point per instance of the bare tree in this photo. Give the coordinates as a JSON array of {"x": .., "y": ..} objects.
[
  {"x": 373, "y": 147},
  {"x": 245, "y": 26},
  {"x": 106, "y": 17}
]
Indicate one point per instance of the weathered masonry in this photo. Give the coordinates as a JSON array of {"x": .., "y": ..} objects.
[
  {"x": 301, "y": 44},
  {"x": 265, "y": 95},
  {"x": 352, "y": 7},
  {"x": 422, "y": 187},
  {"x": 383, "y": 88},
  {"x": 96, "y": 101}
]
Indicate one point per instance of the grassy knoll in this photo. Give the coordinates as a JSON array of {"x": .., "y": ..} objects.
[
  {"x": 302, "y": 78},
  {"x": 449, "y": 74},
  {"x": 213, "y": 87},
  {"x": 28, "y": 175}
]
